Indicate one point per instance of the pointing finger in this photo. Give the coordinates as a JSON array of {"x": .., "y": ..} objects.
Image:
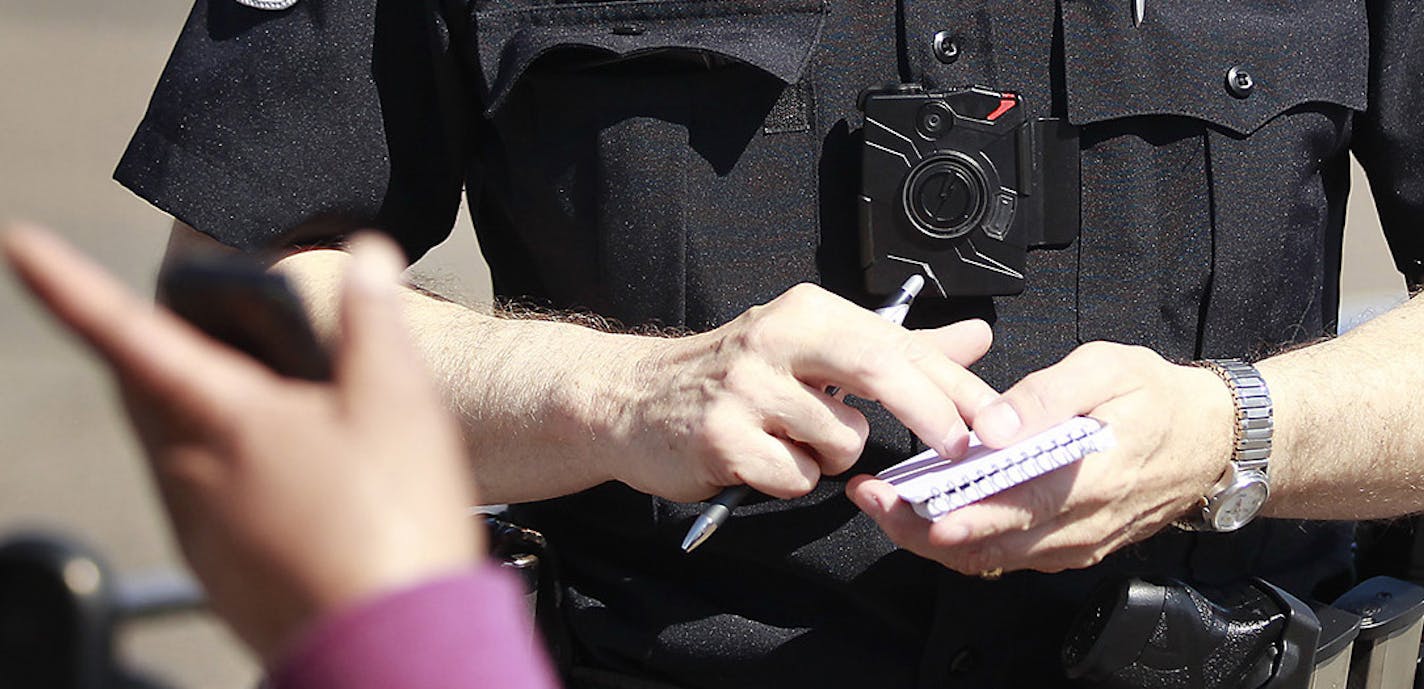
[
  {"x": 879, "y": 361},
  {"x": 963, "y": 342}
]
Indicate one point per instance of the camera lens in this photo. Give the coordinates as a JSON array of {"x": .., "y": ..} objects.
[
  {"x": 946, "y": 196},
  {"x": 933, "y": 120}
]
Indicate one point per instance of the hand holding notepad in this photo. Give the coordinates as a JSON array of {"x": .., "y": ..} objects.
[{"x": 936, "y": 486}]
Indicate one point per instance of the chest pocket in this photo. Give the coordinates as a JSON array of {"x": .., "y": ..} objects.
[
  {"x": 775, "y": 36},
  {"x": 1214, "y": 136},
  {"x": 631, "y": 136}
]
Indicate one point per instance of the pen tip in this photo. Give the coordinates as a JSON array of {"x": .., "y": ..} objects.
[
  {"x": 698, "y": 534},
  {"x": 914, "y": 284}
]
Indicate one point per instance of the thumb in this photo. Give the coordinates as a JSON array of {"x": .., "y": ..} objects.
[
  {"x": 1084, "y": 380},
  {"x": 375, "y": 359}
]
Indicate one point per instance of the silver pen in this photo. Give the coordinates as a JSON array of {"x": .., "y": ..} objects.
[{"x": 720, "y": 508}]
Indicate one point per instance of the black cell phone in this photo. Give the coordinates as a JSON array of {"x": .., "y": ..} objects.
[{"x": 236, "y": 301}]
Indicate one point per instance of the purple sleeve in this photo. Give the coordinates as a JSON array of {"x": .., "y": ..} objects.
[{"x": 460, "y": 632}]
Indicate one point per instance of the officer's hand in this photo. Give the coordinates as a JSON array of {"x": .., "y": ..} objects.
[
  {"x": 746, "y": 403},
  {"x": 289, "y": 499},
  {"x": 1172, "y": 425}
]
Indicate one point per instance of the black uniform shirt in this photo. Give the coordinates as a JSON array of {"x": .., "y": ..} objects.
[{"x": 679, "y": 160}]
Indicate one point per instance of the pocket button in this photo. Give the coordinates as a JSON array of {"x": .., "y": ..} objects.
[
  {"x": 945, "y": 49},
  {"x": 1239, "y": 82}
]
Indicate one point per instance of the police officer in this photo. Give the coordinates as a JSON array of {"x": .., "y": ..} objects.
[{"x": 675, "y": 162}]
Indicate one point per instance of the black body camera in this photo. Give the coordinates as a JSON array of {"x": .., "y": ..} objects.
[{"x": 958, "y": 185}]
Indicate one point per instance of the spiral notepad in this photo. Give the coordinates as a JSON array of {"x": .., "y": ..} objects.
[{"x": 936, "y": 486}]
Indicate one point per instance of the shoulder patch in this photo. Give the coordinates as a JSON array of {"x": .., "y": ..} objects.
[{"x": 268, "y": 4}]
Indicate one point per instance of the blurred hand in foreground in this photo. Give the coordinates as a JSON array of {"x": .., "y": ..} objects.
[{"x": 289, "y": 499}]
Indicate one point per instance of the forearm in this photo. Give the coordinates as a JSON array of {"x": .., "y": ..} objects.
[
  {"x": 550, "y": 408},
  {"x": 531, "y": 413},
  {"x": 537, "y": 399},
  {"x": 1349, "y": 439}
]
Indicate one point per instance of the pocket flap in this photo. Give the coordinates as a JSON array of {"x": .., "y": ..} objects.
[
  {"x": 776, "y": 36},
  {"x": 1177, "y": 61}
]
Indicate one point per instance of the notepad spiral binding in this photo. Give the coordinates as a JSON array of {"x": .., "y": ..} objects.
[{"x": 937, "y": 486}]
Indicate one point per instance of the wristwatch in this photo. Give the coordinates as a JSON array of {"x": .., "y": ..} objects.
[{"x": 1237, "y": 497}]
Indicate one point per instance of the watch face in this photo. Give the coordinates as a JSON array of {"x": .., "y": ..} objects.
[{"x": 1238, "y": 504}]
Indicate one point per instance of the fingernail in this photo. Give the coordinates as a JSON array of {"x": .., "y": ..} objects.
[
  {"x": 954, "y": 446},
  {"x": 864, "y": 498},
  {"x": 998, "y": 420}
]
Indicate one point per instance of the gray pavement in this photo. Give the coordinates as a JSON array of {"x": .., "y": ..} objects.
[{"x": 74, "y": 80}]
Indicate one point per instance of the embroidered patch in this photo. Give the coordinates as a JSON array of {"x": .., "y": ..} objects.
[{"x": 268, "y": 4}]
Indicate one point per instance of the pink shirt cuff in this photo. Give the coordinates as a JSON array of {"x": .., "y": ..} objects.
[{"x": 458, "y": 632}]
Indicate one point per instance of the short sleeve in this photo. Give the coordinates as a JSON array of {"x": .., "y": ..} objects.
[
  {"x": 270, "y": 128},
  {"x": 1389, "y": 136}
]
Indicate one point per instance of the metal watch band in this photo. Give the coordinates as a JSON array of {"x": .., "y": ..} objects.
[
  {"x": 1231, "y": 504},
  {"x": 1254, "y": 422}
]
